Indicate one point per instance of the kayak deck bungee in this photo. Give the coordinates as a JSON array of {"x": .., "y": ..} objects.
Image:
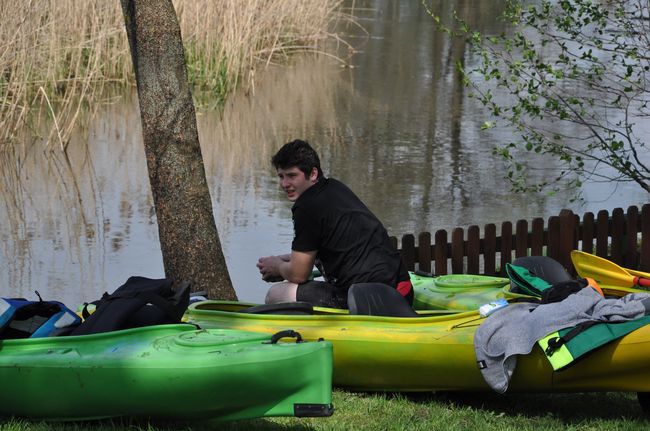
[
  {"x": 164, "y": 372},
  {"x": 435, "y": 352}
]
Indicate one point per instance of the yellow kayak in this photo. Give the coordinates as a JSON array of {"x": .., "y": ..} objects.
[{"x": 433, "y": 351}]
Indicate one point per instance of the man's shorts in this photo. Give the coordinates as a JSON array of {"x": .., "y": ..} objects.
[{"x": 324, "y": 294}]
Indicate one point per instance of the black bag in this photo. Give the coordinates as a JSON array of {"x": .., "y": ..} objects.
[
  {"x": 562, "y": 290},
  {"x": 139, "y": 302}
]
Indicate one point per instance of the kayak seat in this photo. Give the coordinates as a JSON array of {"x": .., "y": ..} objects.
[
  {"x": 20, "y": 318},
  {"x": 544, "y": 267},
  {"x": 298, "y": 307},
  {"x": 378, "y": 299}
]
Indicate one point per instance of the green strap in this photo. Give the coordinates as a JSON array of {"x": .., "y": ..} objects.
[{"x": 586, "y": 341}]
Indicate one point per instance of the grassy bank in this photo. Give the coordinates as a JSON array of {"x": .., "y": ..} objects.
[
  {"x": 58, "y": 56},
  {"x": 486, "y": 411}
]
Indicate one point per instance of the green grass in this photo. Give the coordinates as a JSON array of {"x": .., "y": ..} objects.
[{"x": 359, "y": 411}]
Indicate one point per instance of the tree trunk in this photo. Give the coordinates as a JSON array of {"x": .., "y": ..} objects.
[{"x": 188, "y": 235}]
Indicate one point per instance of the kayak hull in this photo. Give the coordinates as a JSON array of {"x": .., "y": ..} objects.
[
  {"x": 167, "y": 372},
  {"x": 436, "y": 352}
]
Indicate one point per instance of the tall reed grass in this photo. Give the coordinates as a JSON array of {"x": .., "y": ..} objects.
[{"x": 58, "y": 57}]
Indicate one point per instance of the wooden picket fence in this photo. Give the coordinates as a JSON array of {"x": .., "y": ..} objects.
[{"x": 622, "y": 237}]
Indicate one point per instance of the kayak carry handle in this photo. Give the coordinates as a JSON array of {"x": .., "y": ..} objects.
[{"x": 287, "y": 333}]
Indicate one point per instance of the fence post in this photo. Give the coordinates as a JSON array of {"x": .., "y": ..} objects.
[
  {"x": 645, "y": 238},
  {"x": 424, "y": 252},
  {"x": 440, "y": 252},
  {"x": 566, "y": 239},
  {"x": 457, "y": 250},
  {"x": 490, "y": 249},
  {"x": 631, "y": 255},
  {"x": 408, "y": 251},
  {"x": 506, "y": 246},
  {"x": 521, "y": 237},
  {"x": 618, "y": 226},
  {"x": 537, "y": 237},
  {"x": 602, "y": 233},
  {"x": 473, "y": 249},
  {"x": 553, "y": 238},
  {"x": 588, "y": 233}
]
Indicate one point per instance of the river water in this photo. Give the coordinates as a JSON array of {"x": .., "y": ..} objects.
[{"x": 394, "y": 124}]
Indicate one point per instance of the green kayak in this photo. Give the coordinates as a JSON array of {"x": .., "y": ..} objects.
[
  {"x": 458, "y": 292},
  {"x": 166, "y": 372}
]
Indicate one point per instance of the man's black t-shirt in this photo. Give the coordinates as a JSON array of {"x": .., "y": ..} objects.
[{"x": 351, "y": 243}]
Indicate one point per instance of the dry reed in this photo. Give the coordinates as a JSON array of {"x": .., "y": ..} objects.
[{"x": 57, "y": 57}]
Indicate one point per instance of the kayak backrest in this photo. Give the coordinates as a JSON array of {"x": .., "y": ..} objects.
[
  {"x": 522, "y": 281},
  {"x": 378, "y": 299},
  {"x": 531, "y": 275},
  {"x": 139, "y": 302},
  {"x": 298, "y": 307},
  {"x": 544, "y": 267}
]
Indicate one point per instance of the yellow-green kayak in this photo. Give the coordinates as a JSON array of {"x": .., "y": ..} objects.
[
  {"x": 434, "y": 352},
  {"x": 458, "y": 292}
]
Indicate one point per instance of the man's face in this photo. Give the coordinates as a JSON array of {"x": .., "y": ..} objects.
[{"x": 294, "y": 182}]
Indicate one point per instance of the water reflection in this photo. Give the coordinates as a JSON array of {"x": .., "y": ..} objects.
[
  {"x": 397, "y": 127},
  {"x": 77, "y": 225}
]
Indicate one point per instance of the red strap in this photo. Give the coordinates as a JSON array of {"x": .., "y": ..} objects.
[{"x": 404, "y": 287}]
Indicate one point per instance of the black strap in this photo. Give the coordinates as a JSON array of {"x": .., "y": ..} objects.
[
  {"x": 562, "y": 290},
  {"x": 556, "y": 342}
]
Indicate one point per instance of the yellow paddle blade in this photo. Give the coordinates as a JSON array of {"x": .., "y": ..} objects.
[{"x": 604, "y": 271}]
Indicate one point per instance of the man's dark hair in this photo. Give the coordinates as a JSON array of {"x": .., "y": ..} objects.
[{"x": 297, "y": 153}]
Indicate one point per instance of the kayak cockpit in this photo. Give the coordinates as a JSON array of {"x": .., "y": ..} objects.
[{"x": 364, "y": 299}]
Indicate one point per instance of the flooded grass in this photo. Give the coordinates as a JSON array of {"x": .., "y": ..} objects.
[{"x": 58, "y": 57}]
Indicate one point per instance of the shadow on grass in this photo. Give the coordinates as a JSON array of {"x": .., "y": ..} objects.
[
  {"x": 134, "y": 424},
  {"x": 250, "y": 424},
  {"x": 571, "y": 408}
]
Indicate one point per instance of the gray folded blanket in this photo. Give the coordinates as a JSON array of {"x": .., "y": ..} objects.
[{"x": 515, "y": 329}]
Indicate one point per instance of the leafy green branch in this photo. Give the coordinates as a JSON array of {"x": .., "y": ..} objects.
[{"x": 571, "y": 79}]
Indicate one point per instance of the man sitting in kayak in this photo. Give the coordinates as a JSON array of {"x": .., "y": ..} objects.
[{"x": 332, "y": 228}]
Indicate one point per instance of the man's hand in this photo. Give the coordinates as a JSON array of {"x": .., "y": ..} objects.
[
  {"x": 269, "y": 267},
  {"x": 295, "y": 267}
]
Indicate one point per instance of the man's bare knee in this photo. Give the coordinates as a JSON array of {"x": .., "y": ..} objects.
[{"x": 281, "y": 292}]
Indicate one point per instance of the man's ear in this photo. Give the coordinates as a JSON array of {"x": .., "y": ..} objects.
[{"x": 313, "y": 176}]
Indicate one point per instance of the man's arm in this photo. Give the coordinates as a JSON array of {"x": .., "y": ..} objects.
[{"x": 296, "y": 267}]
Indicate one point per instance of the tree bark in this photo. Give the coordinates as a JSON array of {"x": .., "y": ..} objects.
[{"x": 189, "y": 239}]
